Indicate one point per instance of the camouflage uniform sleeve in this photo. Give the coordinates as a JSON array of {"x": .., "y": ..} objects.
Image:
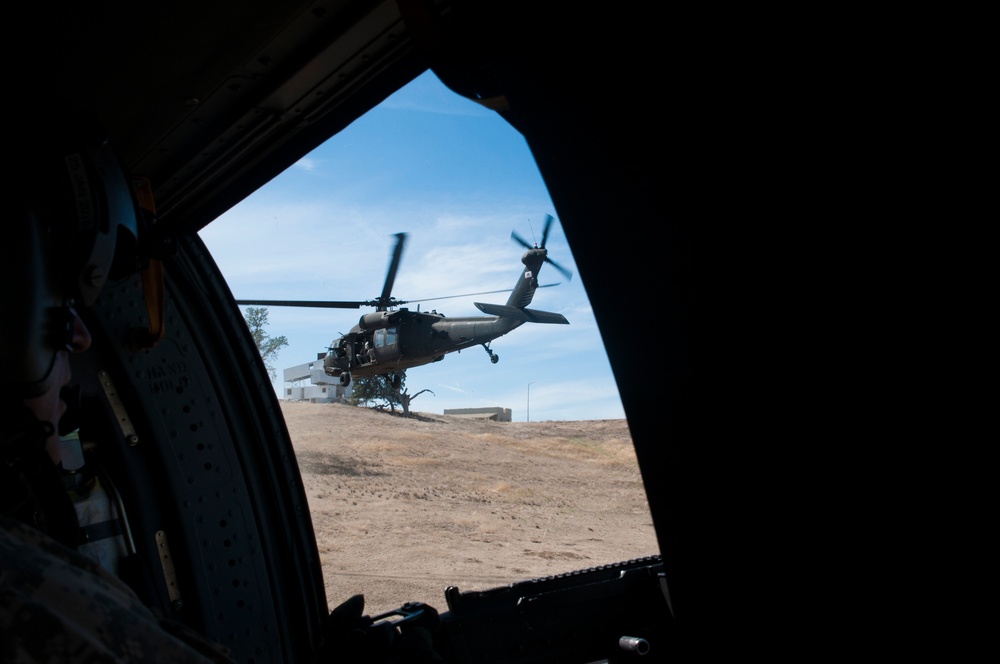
[{"x": 59, "y": 606}]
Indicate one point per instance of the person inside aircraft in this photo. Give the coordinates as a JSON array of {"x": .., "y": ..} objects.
[
  {"x": 76, "y": 226},
  {"x": 62, "y": 244}
]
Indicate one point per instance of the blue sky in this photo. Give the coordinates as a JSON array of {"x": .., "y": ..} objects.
[{"x": 458, "y": 180}]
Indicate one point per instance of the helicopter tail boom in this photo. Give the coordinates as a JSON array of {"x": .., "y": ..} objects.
[{"x": 523, "y": 315}]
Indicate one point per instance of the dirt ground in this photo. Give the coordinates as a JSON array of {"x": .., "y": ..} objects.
[{"x": 404, "y": 507}]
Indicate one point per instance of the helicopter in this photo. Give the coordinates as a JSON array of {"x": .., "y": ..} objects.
[{"x": 393, "y": 338}]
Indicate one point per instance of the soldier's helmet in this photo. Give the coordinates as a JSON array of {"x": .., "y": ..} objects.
[{"x": 73, "y": 226}]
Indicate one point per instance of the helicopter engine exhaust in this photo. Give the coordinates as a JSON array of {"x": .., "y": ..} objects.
[{"x": 377, "y": 320}]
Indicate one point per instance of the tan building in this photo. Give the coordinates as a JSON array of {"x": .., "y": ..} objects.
[{"x": 495, "y": 413}]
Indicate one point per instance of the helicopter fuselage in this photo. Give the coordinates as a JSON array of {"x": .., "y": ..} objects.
[
  {"x": 393, "y": 338},
  {"x": 391, "y": 341}
]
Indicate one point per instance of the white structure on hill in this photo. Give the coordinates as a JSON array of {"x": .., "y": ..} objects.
[
  {"x": 494, "y": 413},
  {"x": 320, "y": 389},
  {"x": 327, "y": 389}
]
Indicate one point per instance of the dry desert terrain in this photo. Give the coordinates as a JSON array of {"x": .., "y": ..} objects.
[{"x": 404, "y": 507}]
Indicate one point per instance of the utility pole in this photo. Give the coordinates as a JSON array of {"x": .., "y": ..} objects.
[{"x": 529, "y": 401}]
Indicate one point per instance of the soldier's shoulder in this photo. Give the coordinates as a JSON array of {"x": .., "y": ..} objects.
[{"x": 59, "y": 605}]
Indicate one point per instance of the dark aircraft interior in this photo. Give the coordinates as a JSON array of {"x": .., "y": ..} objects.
[{"x": 206, "y": 102}]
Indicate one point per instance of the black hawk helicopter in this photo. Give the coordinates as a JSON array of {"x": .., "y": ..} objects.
[{"x": 393, "y": 338}]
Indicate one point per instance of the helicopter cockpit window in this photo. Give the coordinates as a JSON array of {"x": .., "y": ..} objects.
[{"x": 386, "y": 337}]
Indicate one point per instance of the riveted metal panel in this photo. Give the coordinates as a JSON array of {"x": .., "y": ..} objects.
[{"x": 209, "y": 467}]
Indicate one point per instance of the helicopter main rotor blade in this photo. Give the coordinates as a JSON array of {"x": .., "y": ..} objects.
[
  {"x": 450, "y": 297},
  {"x": 318, "y": 304},
  {"x": 390, "y": 278}
]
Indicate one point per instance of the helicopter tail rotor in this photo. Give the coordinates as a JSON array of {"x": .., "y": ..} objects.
[{"x": 545, "y": 236}]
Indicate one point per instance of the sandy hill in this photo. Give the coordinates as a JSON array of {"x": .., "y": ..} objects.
[{"x": 404, "y": 507}]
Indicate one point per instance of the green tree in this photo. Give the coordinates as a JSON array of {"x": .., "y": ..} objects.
[
  {"x": 379, "y": 388},
  {"x": 376, "y": 389},
  {"x": 405, "y": 398},
  {"x": 256, "y": 318}
]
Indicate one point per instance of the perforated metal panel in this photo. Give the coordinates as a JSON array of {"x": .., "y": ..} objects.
[{"x": 211, "y": 486}]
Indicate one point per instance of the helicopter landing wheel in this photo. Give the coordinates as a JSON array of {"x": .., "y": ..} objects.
[
  {"x": 396, "y": 381},
  {"x": 494, "y": 358},
  {"x": 345, "y": 379}
]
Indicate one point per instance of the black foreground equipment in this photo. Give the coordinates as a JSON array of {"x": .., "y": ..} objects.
[
  {"x": 614, "y": 613},
  {"x": 634, "y": 133}
]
